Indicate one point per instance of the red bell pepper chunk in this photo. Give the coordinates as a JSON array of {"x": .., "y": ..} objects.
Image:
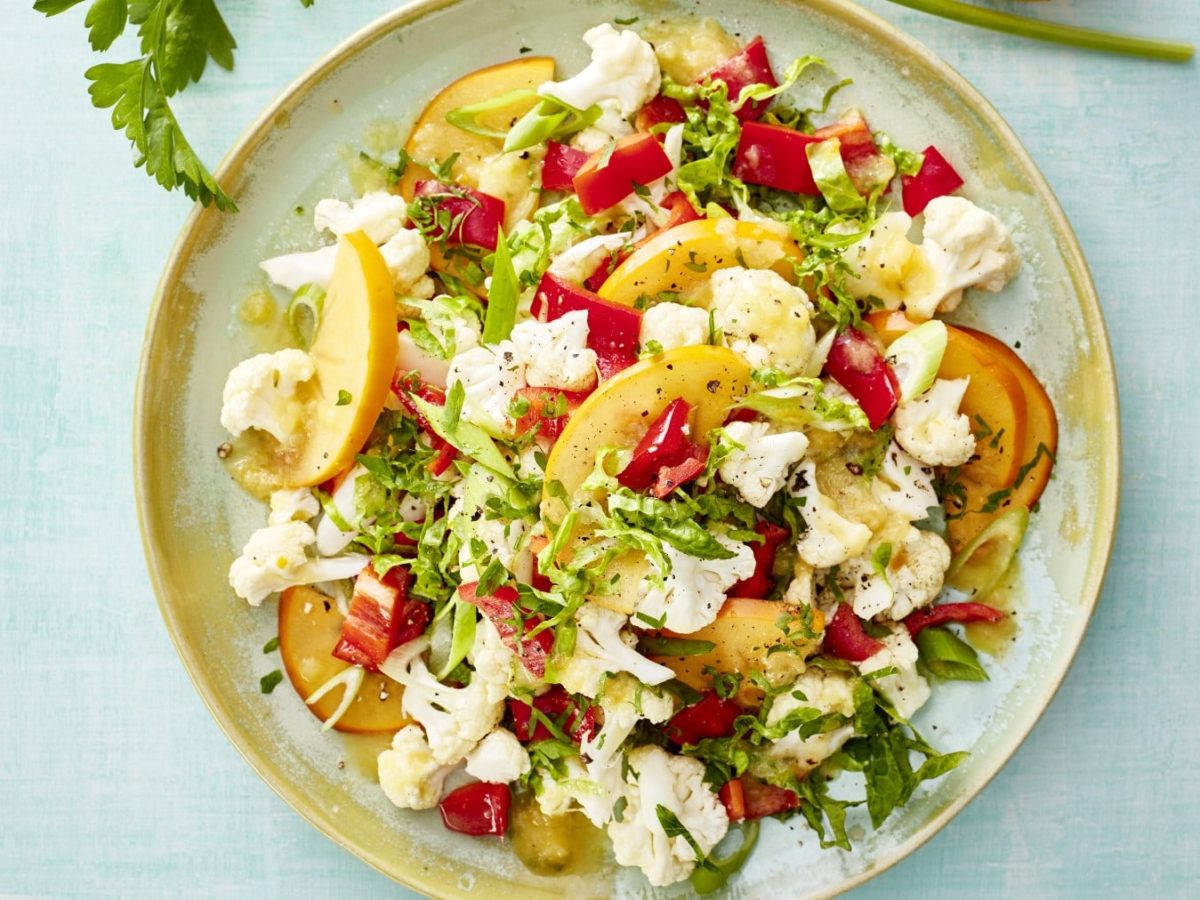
[
  {"x": 404, "y": 388},
  {"x": 859, "y": 366},
  {"x": 613, "y": 329},
  {"x": 501, "y": 608},
  {"x": 936, "y": 178},
  {"x": 477, "y": 809},
  {"x": 671, "y": 477},
  {"x": 734, "y": 799},
  {"x": 475, "y": 217},
  {"x": 659, "y": 110},
  {"x": 560, "y": 165},
  {"x": 680, "y": 210},
  {"x": 607, "y": 266},
  {"x": 381, "y": 618},
  {"x": 950, "y": 612},
  {"x": 775, "y": 156},
  {"x": 636, "y": 159},
  {"x": 665, "y": 443},
  {"x": 751, "y": 66},
  {"x": 549, "y": 409},
  {"x": 558, "y": 706},
  {"x": 708, "y": 717},
  {"x": 853, "y": 134},
  {"x": 845, "y": 638},
  {"x": 749, "y": 798},
  {"x": 759, "y": 585}
]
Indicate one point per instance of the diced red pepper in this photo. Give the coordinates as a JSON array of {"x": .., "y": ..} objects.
[
  {"x": 613, "y": 329},
  {"x": 557, "y": 706},
  {"x": 560, "y": 165},
  {"x": 671, "y": 477},
  {"x": 759, "y": 585},
  {"x": 680, "y": 210},
  {"x": 404, "y": 388},
  {"x": 475, "y": 217},
  {"x": 742, "y": 414},
  {"x": 660, "y": 109},
  {"x": 636, "y": 159},
  {"x": 734, "y": 799},
  {"x": 845, "y": 638},
  {"x": 775, "y": 156},
  {"x": 544, "y": 405},
  {"x": 865, "y": 165},
  {"x": 751, "y": 66},
  {"x": 859, "y": 366},
  {"x": 709, "y": 717},
  {"x": 501, "y": 608},
  {"x": 607, "y": 266},
  {"x": 749, "y": 798},
  {"x": 665, "y": 443},
  {"x": 950, "y": 612},
  {"x": 937, "y": 178},
  {"x": 477, "y": 809},
  {"x": 381, "y": 618}
]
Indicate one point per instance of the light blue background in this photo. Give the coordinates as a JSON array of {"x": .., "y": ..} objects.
[{"x": 115, "y": 781}]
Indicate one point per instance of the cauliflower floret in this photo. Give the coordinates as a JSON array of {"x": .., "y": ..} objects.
[
  {"x": 887, "y": 265},
  {"x": 491, "y": 377},
  {"x": 625, "y": 701},
  {"x": 694, "y": 590},
  {"x": 657, "y": 778},
  {"x": 298, "y": 504},
  {"x": 762, "y": 468},
  {"x": 826, "y": 692},
  {"x": 407, "y": 258},
  {"x": 621, "y": 78},
  {"x": 454, "y": 719},
  {"x": 259, "y": 393},
  {"x": 511, "y": 177},
  {"x": 912, "y": 577},
  {"x": 907, "y": 689},
  {"x": 592, "y": 789},
  {"x": 577, "y": 263},
  {"x": 829, "y": 538},
  {"x": 674, "y": 325},
  {"x": 931, "y": 428},
  {"x": 499, "y": 758},
  {"x": 763, "y": 318},
  {"x": 409, "y": 775},
  {"x": 904, "y": 485},
  {"x": 602, "y": 648},
  {"x": 276, "y": 558},
  {"x": 294, "y": 270},
  {"x": 556, "y": 353},
  {"x": 967, "y": 247},
  {"x": 380, "y": 214}
]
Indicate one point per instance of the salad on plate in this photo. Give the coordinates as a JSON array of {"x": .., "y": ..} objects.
[{"x": 621, "y": 471}]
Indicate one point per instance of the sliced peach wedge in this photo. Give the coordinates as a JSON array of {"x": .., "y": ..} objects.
[
  {"x": 354, "y": 354},
  {"x": 681, "y": 258},
  {"x": 309, "y": 628}
]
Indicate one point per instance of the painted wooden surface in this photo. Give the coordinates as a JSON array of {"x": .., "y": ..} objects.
[{"x": 116, "y": 781}]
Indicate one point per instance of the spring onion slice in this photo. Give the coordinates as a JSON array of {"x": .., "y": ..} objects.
[
  {"x": 548, "y": 120},
  {"x": 465, "y": 117},
  {"x": 351, "y": 679},
  {"x": 981, "y": 564},
  {"x": 916, "y": 356},
  {"x": 304, "y": 314}
]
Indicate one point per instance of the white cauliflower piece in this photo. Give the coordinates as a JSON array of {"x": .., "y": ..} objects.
[
  {"x": 499, "y": 758},
  {"x": 762, "y": 317},
  {"x": 930, "y": 427},
  {"x": 591, "y": 789},
  {"x": 603, "y": 648},
  {"x": 829, "y": 538},
  {"x": 693, "y": 591},
  {"x": 621, "y": 78},
  {"x": 967, "y": 247},
  {"x": 276, "y": 558},
  {"x": 577, "y": 263},
  {"x": 556, "y": 353},
  {"x": 297, "y": 504},
  {"x": 260, "y": 391},
  {"x": 455, "y": 719},
  {"x": 294, "y": 270},
  {"x": 379, "y": 213},
  {"x": 491, "y": 377},
  {"x": 674, "y": 325},
  {"x": 409, "y": 775},
  {"x": 760, "y": 470},
  {"x": 907, "y": 689},
  {"x": 625, "y": 702},
  {"x": 826, "y": 692},
  {"x": 676, "y": 783},
  {"x": 904, "y": 485},
  {"x": 886, "y": 264},
  {"x": 510, "y": 177},
  {"x": 407, "y": 258},
  {"x": 912, "y": 577}
]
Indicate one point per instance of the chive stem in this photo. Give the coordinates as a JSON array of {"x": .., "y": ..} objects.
[{"x": 1070, "y": 35}]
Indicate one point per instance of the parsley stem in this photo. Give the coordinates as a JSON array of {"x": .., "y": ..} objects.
[{"x": 1070, "y": 35}]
